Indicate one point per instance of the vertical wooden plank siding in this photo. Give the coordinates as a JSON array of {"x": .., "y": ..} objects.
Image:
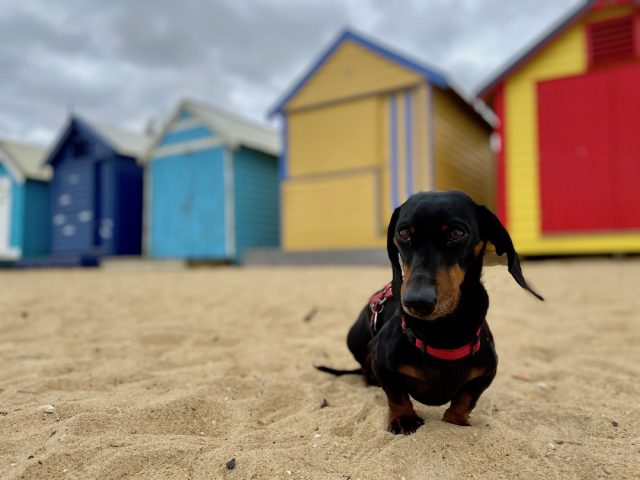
[
  {"x": 256, "y": 200},
  {"x": 408, "y": 145},
  {"x": 383, "y": 165},
  {"x": 393, "y": 154},
  {"x": 37, "y": 224},
  {"x": 401, "y": 129},
  {"x": 420, "y": 136},
  {"x": 431, "y": 137},
  {"x": 408, "y": 149}
]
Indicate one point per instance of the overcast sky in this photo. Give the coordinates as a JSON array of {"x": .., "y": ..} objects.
[{"x": 128, "y": 61}]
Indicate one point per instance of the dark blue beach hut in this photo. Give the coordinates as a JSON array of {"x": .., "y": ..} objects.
[
  {"x": 211, "y": 186},
  {"x": 24, "y": 201},
  {"x": 96, "y": 192}
]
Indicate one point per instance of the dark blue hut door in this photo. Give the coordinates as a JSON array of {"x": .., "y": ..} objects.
[{"x": 74, "y": 206}]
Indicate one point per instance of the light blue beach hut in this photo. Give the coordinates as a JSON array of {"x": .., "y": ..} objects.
[
  {"x": 211, "y": 186},
  {"x": 24, "y": 201}
]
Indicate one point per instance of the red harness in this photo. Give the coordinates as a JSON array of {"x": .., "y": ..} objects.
[{"x": 376, "y": 304}]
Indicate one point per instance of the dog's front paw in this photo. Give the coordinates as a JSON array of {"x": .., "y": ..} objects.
[
  {"x": 452, "y": 416},
  {"x": 405, "y": 424}
]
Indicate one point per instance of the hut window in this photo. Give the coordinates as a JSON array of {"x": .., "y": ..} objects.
[{"x": 611, "y": 41}]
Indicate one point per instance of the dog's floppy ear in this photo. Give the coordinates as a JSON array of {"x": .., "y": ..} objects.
[
  {"x": 392, "y": 250},
  {"x": 491, "y": 230}
]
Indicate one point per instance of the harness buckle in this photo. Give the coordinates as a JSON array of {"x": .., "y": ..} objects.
[
  {"x": 376, "y": 305},
  {"x": 376, "y": 308}
]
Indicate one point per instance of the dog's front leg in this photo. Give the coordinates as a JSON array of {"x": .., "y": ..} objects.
[
  {"x": 466, "y": 399},
  {"x": 402, "y": 417}
]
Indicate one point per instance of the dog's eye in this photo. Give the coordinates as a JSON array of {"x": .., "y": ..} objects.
[
  {"x": 455, "y": 235},
  {"x": 404, "y": 234}
]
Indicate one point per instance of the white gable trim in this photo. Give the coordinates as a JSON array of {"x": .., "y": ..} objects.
[
  {"x": 14, "y": 171},
  {"x": 185, "y": 124}
]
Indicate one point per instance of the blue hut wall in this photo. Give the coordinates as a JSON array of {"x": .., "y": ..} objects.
[
  {"x": 30, "y": 216},
  {"x": 37, "y": 220},
  {"x": 96, "y": 197},
  {"x": 188, "y": 205},
  {"x": 256, "y": 200}
]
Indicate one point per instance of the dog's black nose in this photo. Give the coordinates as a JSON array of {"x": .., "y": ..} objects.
[{"x": 420, "y": 300}]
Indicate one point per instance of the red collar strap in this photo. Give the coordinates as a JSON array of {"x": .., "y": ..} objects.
[
  {"x": 376, "y": 304},
  {"x": 443, "y": 354}
]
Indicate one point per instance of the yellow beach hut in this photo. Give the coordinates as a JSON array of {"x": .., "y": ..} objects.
[
  {"x": 362, "y": 130},
  {"x": 568, "y": 168}
]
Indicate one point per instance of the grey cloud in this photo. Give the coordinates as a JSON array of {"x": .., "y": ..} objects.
[{"x": 125, "y": 61}]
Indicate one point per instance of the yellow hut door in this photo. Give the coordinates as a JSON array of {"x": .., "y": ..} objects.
[{"x": 337, "y": 188}]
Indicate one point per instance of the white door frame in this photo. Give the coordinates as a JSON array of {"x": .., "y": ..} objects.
[{"x": 6, "y": 251}]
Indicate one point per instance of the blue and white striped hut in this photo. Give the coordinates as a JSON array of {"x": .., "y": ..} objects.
[
  {"x": 24, "y": 201},
  {"x": 211, "y": 186}
]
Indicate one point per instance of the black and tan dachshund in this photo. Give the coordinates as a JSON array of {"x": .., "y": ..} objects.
[{"x": 425, "y": 335}]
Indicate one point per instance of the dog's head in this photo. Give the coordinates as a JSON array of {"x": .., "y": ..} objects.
[{"x": 434, "y": 240}]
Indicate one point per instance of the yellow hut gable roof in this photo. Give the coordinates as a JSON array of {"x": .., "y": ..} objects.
[{"x": 354, "y": 65}]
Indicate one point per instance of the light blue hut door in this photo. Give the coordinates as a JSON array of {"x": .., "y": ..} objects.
[
  {"x": 173, "y": 198},
  {"x": 5, "y": 214},
  {"x": 188, "y": 206}
]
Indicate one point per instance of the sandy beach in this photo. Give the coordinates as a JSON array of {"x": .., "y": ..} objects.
[{"x": 171, "y": 374}]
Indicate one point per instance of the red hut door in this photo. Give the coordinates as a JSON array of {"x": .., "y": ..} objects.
[{"x": 589, "y": 151}]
